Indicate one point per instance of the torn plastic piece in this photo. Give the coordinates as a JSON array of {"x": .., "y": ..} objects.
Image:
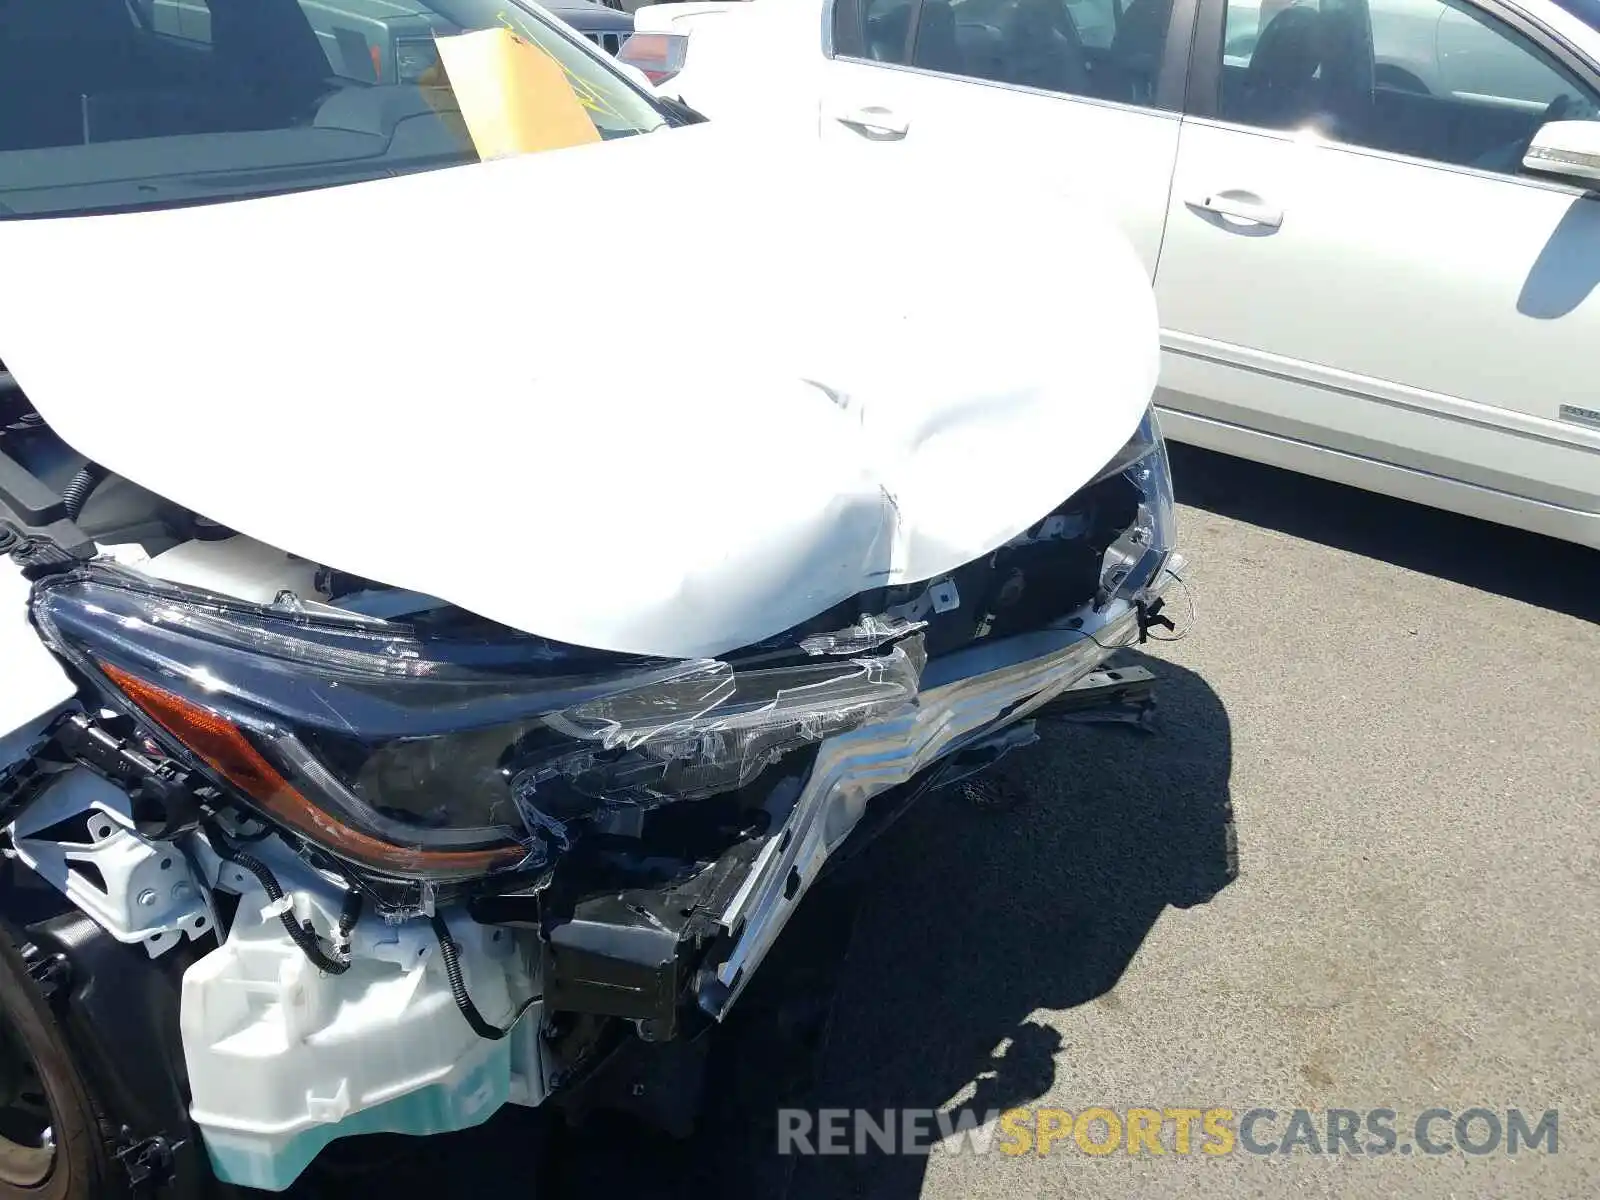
[
  {"x": 277, "y": 908},
  {"x": 1055, "y": 527},
  {"x": 630, "y": 717},
  {"x": 641, "y": 750},
  {"x": 868, "y": 633},
  {"x": 940, "y": 596},
  {"x": 514, "y": 98},
  {"x": 810, "y": 696}
]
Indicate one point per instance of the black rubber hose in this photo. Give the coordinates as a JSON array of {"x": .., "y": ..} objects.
[
  {"x": 300, "y": 933},
  {"x": 349, "y": 914},
  {"x": 83, "y": 484},
  {"x": 458, "y": 988}
]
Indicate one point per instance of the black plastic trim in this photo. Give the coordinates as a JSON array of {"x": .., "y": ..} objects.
[
  {"x": 27, "y": 497},
  {"x": 1173, "y": 78},
  {"x": 1202, "y": 90},
  {"x": 121, "y": 1023}
]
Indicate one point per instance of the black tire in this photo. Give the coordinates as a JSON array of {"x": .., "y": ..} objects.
[{"x": 80, "y": 1169}]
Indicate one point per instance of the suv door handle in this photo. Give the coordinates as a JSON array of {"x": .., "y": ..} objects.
[
  {"x": 1239, "y": 206},
  {"x": 875, "y": 123}
]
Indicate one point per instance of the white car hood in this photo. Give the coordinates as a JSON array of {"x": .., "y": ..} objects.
[{"x": 462, "y": 383}]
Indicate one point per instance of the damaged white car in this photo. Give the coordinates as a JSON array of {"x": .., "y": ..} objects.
[{"x": 431, "y": 669}]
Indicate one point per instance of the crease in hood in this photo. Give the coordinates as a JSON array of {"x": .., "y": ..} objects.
[{"x": 811, "y": 373}]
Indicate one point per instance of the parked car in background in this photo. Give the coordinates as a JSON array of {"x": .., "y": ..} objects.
[
  {"x": 603, "y": 24},
  {"x": 1370, "y": 224},
  {"x": 628, "y": 6}
]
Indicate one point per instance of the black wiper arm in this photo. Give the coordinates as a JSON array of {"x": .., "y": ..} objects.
[{"x": 679, "y": 112}]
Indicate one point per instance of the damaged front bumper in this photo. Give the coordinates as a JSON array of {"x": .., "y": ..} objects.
[
  {"x": 966, "y": 697},
  {"x": 419, "y": 869}
]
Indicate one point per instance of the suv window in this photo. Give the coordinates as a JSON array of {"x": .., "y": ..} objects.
[
  {"x": 118, "y": 104},
  {"x": 1434, "y": 79},
  {"x": 1105, "y": 49}
]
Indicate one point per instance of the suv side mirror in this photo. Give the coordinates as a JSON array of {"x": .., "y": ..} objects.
[{"x": 1570, "y": 149}]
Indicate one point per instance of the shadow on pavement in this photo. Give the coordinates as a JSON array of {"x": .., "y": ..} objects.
[
  {"x": 911, "y": 979},
  {"x": 975, "y": 919},
  {"x": 1491, "y": 558}
]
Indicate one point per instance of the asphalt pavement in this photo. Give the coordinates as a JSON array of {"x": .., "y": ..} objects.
[
  {"x": 1401, "y": 711},
  {"x": 1356, "y": 868}
]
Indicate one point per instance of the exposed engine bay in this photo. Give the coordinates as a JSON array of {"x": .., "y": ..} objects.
[{"x": 414, "y": 865}]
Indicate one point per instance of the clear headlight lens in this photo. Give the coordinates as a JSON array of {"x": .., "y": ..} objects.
[
  {"x": 1134, "y": 560},
  {"x": 429, "y": 755},
  {"x": 633, "y": 751}
]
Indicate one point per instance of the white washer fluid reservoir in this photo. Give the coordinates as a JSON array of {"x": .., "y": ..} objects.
[{"x": 283, "y": 1057}]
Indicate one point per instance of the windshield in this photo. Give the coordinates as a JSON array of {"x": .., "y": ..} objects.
[{"x": 123, "y": 104}]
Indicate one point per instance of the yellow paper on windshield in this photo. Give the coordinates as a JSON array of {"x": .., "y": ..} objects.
[{"x": 513, "y": 97}]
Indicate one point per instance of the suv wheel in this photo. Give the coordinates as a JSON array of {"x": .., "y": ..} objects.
[{"x": 50, "y": 1144}]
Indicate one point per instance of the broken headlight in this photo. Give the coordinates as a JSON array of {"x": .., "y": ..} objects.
[
  {"x": 1133, "y": 561},
  {"x": 630, "y": 751},
  {"x": 423, "y": 755}
]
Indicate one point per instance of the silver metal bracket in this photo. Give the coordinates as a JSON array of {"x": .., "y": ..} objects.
[{"x": 136, "y": 889}]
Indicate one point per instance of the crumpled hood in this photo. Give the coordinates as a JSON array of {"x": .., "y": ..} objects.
[{"x": 467, "y": 383}]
